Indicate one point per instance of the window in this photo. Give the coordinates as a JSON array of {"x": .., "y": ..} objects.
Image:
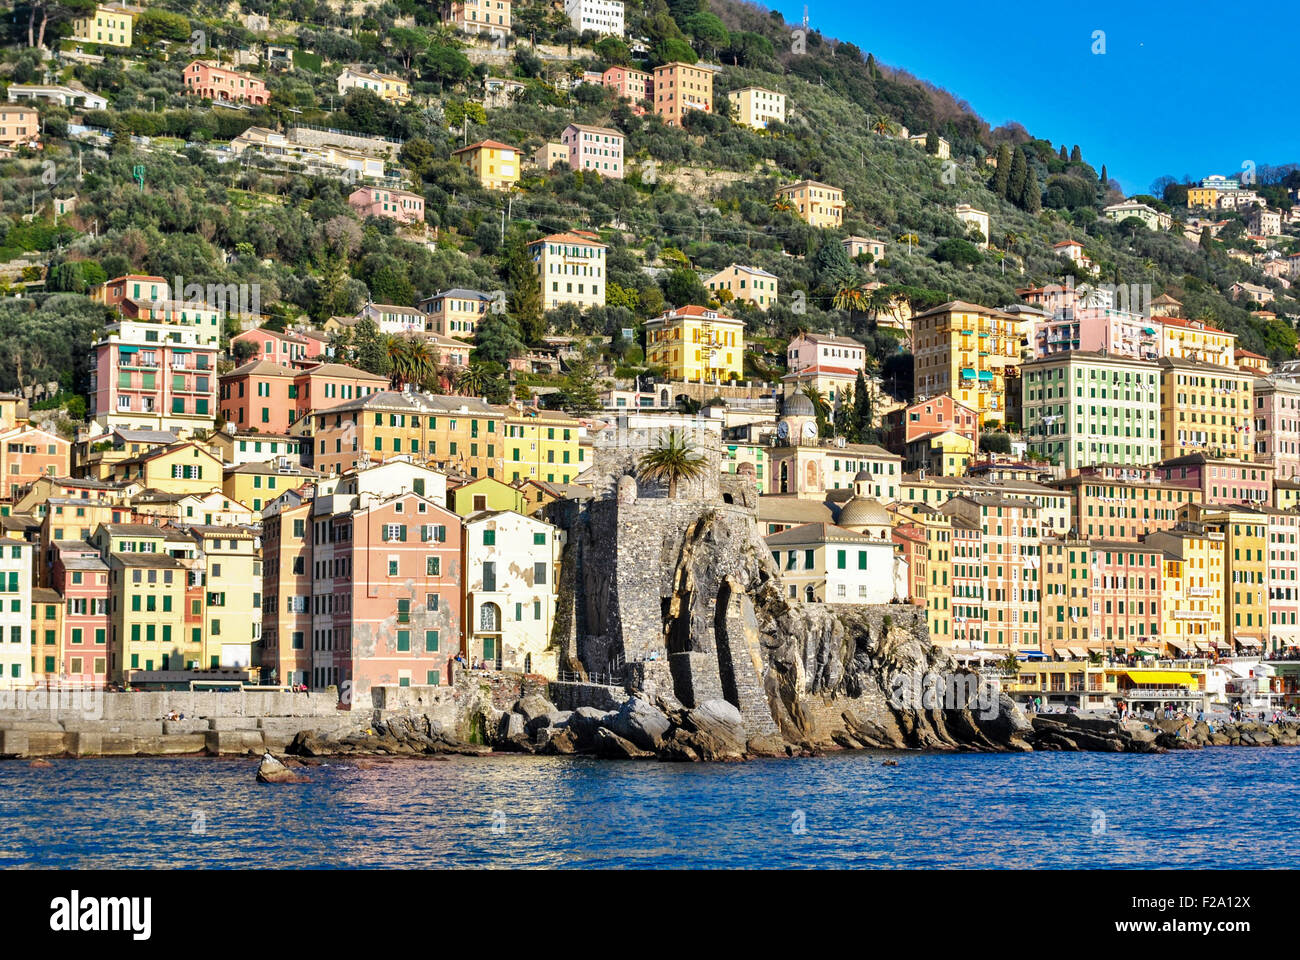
[
  {"x": 431, "y": 641},
  {"x": 489, "y": 538},
  {"x": 433, "y": 566},
  {"x": 539, "y": 573},
  {"x": 403, "y": 640}
]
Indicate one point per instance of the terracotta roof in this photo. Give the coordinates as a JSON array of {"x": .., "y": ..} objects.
[{"x": 489, "y": 144}]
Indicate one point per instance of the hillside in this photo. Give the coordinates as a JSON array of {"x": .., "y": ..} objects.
[{"x": 694, "y": 201}]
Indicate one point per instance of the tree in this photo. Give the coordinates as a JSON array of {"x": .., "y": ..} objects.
[
  {"x": 525, "y": 303},
  {"x": 370, "y": 353},
  {"x": 446, "y": 65},
  {"x": 497, "y": 338},
  {"x": 684, "y": 287},
  {"x": 820, "y": 407},
  {"x": 673, "y": 461},
  {"x": 1076, "y": 155},
  {"x": 1003, "y": 175},
  {"x": 864, "y": 413},
  {"x": 707, "y": 31},
  {"x": 1016, "y": 180},
  {"x": 578, "y": 391}
]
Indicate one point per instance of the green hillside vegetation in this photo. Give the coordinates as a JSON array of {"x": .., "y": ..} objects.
[{"x": 694, "y": 201}]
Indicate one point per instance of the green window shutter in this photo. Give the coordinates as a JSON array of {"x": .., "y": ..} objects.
[
  {"x": 403, "y": 640},
  {"x": 431, "y": 641}
]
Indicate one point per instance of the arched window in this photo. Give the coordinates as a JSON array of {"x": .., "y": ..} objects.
[{"x": 489, "y": 618}]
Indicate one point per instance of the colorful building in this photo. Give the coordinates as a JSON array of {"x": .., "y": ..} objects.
[
  {"x": 570, "y": 269},
  {"x": 542, "y": 445},
  {"x": 746, "y": 285},
  {"x": 28, "y": 453},
  {"x": 817, "y": 204},
  {"x": 493, "y": 164},
  {"x": 823, "y": 563},
  {"x": 679, "y": 88},
  {"x": 757, "y": 106},
  {"x": 16, "y": 579},
  {"x": 1122, "y": 503},
  {"x": 1205, "y": 409},
  {"x": 481, "y": 16},
  {"x": 594, "y": 149},
  {"x": 696, "y": 343},
  {"x": 456, "y": 312},
  {"x": 1219, "y": 481},
  {"x": 391, "y": 88},
  {"x": 212, "y": 82},
  {"x": 1081, "y": 409},
  {"x": 259, "y": 396},
  {"x": 934, "y": 415},
  {"x": 1277, "y": 426},
  {"x": 1192, "y": 592},
  {"x": 400, "y": 205},
  {"x": 511, "y": 565},
  {"x": 966, "y": 351},
  {"x": 461, "y": 434},
  {"x": 110, "y": 24}
]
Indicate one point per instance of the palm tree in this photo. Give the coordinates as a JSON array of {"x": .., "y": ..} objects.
[
  {"x": 422, "y": 360},
  {"x": 672, "y": 461},
  {"x": 849, "y": 298},
  {"x": 878, "y": 301},
  {"x": 882, "y": 125},
  {"x": 395, "y": 349},
  {"x": 782, "y": 204},
  {"x": 470, "y": 382}
]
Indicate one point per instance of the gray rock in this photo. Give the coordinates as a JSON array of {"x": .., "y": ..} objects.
[
  {"x": 613, "y": 747},
  {"x": 719, "y": 719},
  {"x": 642, "y": 723},
  {"x": 271, "y": 770},
  {"x": 534, "y": 706},
  {"x": 584, "y": 723}
]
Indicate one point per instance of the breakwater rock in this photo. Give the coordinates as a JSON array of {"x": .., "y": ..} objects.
[
  {"x": 1081, "y": 732},
  {"x": 396, "y": 737}
]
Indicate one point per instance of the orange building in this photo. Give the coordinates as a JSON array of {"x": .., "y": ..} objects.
[
  {"x": 680, "y": 88},
  {"x": 27, "y": 453},
  {"x": 260, "y": 396}
]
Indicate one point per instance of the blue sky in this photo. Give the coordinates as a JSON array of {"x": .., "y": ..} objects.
[{"x": 1172, "y": 94}]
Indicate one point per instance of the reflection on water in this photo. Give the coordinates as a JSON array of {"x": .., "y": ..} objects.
[{"x": 1210, "y": 808}]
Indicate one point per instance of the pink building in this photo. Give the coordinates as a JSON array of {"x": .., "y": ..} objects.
[
  {"x": 81, "y": 576},
  {"x": 211, "y": 82},
  {"x": 813, "y": 349},
  {"x": 634, "y": 85},
  {"x": 386, "y": 597},
  {"x": 1283, "y": 588},
  {"x": 159, "y": 384},
  {"x": 275, "y": 346},
  {"x": 596, "y": 149},
  {"x": 1126, "y": 579},
  {"x": 1220, "y": 481},
  {"x": 1100, "y": 330},
  {"x": 399, "y": 205},
  {"x": 1277, "y": 426}
]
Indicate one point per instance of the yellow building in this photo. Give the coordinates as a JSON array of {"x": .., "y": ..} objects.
[
  {"x": 186, "y": 467},
  {"x": 542, "y": 445},
  {"x": 1202, "y": 197},
  {"x": 695, "y": 343},
  {"x": 1192, "y": 590},
  {"x": 965, "y": 350},
  {"x": 110, "y": 24},
  {"x": 482, "y": 16},
  {"x": 937, "y": 529},
  {"x": 745, "y": 284},
  {"x": 47, "y": 634},
  {"x": 257, "y": 484},
  {"x": 818, "y": 204},
  {"x": 1245, "y": 572},
  {"x": 493, "y": 164},
  {"x": 1194, "y": 340},
  {"x": 1064, "y": 596},
  {"x": 225, "y": 613},
  {"x": 391, "y": 88},
  {"x": 485, "y": 493},
  {"x": 757, "y": 106},
  {"x": 1206, "y": 409},
  {"x": 945, "y": 453},
  {"x": 148, "y": 613},
  {"x": 570, "y": 269},
  {"x": 680, "y": 88}
]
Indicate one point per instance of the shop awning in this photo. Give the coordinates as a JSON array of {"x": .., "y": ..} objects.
[
  {"x": 1247, "y": 642},
  {"x": 1178, "y": 645},
  {"x": 1078, "y": 653},
  {"x": 1161, "y": 678},
  {"x": 1144, "y": 652},
  {"x": 1202, "y": 646}
]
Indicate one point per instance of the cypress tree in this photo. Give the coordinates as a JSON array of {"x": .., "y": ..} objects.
[
  {"x": 525, "y": 303},
  {"x": 1003, "y": 175},
  {"x": 862, "y": 411},
  {"x": 1104, "y": 179},
  {"x": 1063, "y": 155},
  {"x": 1076, "y": 155},
  {"x": 1019, "y": 170},
  {"x": 1032, "y": 200}
]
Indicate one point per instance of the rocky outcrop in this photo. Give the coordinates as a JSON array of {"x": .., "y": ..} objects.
[
  {"x": 686, "y": 596},
  {"x": 405, "y": 737},
  {"x": 1064, "y": 731},
  {"x": 271, "y": 770}
]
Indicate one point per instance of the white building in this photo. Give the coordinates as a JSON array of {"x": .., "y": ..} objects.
[
  {"x": 598, "y": 16},
  {"x": 823, "y": 563},
  {"x": 510, "y": 566},
  {"x": 15, "y": 614}
]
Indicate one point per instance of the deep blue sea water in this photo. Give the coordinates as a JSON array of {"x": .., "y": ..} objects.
[{"x": 1208, "y": 808}]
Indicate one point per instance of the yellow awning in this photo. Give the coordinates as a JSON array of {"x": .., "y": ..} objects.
[{"x": 1163, "y": 678}]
